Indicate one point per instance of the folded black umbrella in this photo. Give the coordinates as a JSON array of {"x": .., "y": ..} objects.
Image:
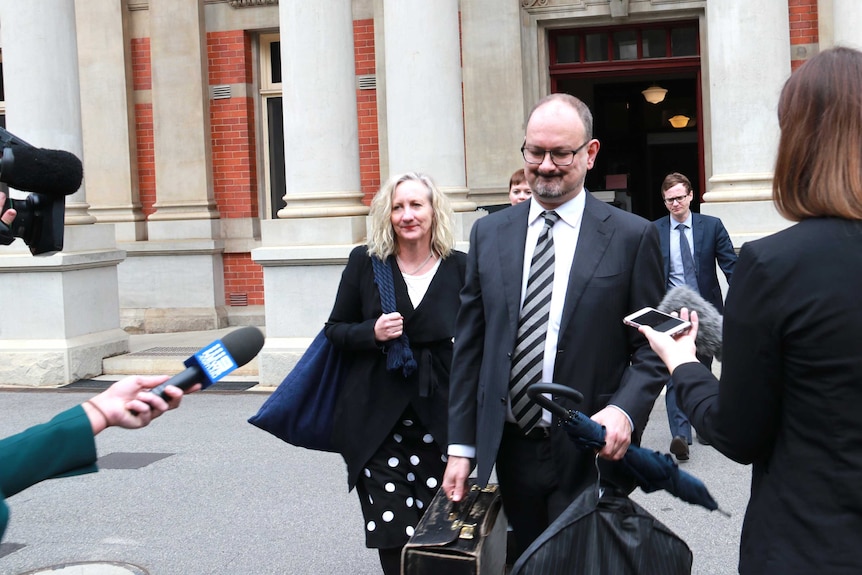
[{"x": 651, "y": 470}]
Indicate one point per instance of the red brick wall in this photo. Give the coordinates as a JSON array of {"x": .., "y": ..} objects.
[
  {"x": 232, "y": 122},
  {"x": 234, "y": 153},
  {"x": 243, "y": 276},
  {"x": 803, "y": 27},
  {"x": 142, "y": 80},
  {"x": 366, "y": 103}
]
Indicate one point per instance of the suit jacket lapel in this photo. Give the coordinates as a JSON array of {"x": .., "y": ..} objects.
[
  {"x": 664, "y": 240},
  {"x": 511, "y": 238},
  {"x": 697, "y": 233},
  {"x": 593, "y": 240}
]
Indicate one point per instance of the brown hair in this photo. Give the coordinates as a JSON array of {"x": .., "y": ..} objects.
[
  {"x": 673, "y": 179},
  {"x": 517, "y": 178},
  {"x": 818, "y": 171}
]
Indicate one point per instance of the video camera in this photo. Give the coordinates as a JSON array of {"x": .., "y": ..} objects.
[{"x": 49, "y": 176}]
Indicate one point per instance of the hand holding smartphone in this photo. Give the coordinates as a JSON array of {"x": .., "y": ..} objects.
[{"x": 657, "y": 320}]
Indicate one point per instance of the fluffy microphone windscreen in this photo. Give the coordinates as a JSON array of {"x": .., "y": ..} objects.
[
  {"x": 52, "y": 173},
  {"x": 708, "y": 341}
]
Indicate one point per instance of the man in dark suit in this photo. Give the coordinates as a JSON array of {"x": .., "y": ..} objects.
[
  {"x": 707, "y": 243},
  {"x": 606, "y": 264}
]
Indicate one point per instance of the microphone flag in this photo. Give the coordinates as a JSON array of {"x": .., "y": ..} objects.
[{"x": 214, "y": 362}]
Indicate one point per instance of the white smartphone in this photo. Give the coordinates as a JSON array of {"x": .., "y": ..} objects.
[{"x": 657, "y": 320}]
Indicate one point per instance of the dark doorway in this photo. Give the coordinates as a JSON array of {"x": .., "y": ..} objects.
[
  {"x": 277, "y": 187},
  {"x": 666, "y": 153},
  {"x": 639, "y": 146}
]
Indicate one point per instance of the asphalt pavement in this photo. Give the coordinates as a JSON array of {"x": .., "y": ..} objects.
[{"x": 202, "y": 492}]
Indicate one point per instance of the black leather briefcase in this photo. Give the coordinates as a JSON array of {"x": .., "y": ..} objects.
[{"x": 466, "y": 538}]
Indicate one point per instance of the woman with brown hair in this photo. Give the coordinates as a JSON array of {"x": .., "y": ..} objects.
[
  {"x": 519, "y": 189},
  {"x": 791, "y": 376}
]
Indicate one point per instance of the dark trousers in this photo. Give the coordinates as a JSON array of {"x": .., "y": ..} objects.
[
  {"x": 676, "y": 419},
  {"x": 529, "y": 485}
]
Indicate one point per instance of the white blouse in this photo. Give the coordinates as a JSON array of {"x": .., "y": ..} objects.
[{"x": 418, "y": 285}]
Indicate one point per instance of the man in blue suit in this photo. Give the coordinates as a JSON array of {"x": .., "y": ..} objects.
[{"x": 707, "y": 242}]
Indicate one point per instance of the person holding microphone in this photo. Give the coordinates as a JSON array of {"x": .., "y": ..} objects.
[{"x": 790, "y": 396}]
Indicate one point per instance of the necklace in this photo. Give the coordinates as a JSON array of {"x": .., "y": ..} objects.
[{"x": 422, "y": 265}]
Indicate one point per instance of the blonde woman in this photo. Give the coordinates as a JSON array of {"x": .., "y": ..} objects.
[{"x": 391, "y": 423}]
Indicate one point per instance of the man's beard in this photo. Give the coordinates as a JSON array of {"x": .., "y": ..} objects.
[{"x": 549, "y": 187}]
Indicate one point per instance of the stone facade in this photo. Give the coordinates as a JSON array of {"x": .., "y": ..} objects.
[{"x": 188, "y": 114}]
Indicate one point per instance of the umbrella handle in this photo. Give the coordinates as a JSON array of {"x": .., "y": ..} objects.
[{"x": 536, "y": 390}]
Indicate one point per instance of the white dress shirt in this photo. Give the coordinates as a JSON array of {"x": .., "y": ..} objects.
[{"x": 566, "y": 232}]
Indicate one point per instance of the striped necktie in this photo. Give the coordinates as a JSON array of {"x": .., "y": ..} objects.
[{"x": 532, "y": 327}]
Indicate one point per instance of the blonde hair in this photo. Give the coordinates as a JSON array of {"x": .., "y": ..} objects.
[{"x": 382, "y": 242}]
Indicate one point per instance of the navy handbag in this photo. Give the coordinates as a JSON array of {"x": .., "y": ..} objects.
[{"x": 301, "y": 409}]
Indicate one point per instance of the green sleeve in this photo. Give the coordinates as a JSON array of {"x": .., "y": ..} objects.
[{"x": 63, "y": 446}]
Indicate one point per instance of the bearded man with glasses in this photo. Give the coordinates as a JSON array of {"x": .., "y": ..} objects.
[
  {"x": 697, "y": 242},
  {"x": 596, "y": 264}
]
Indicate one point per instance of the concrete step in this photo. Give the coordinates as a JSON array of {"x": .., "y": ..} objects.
[
  {"x": 160, "y": 360},
  {"x": 164, "y": 353}
]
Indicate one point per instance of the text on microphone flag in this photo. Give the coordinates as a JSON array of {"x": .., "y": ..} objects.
[{"x": 214, "y": 360}]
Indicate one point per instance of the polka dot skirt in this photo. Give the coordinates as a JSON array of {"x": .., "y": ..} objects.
[{"x": 398, "y": 482}]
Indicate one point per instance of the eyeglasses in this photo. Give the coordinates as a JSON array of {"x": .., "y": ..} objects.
[
  {"x": 560, "y": 158},
  {"x": 670, "y": 201}
]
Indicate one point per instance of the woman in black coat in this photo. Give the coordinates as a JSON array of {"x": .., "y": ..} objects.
[
  {"x": 390, "y": 423},
  {"x": 791, "y": 375}
]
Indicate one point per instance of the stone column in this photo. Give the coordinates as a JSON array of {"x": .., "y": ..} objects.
[
  {"x": 174, "y": 281},
  {"x": 304, "y": 251},
  {"x": 321, "y": 128},
  {"x": 181, "y": 124},
  {"x": 61, "y": 314},
  {"x": 742, "y": 103},
  {"x": 424, "y": 113},
  {"x": 51, "y": 120},
  {"x": 108, "y": 117},
  {"x": 493, "y": 98}
]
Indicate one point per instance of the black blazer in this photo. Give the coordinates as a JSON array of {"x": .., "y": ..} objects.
[
  {"x": 790, "y": 397},
  {"x": 711, "y": 244},
  {"x": 373, "y": 398},
  {"x": 63, "y": 446},
  {"x": 616, "y": 270}
]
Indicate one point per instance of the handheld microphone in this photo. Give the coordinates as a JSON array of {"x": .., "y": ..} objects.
[
  {"x": 708, "y": 341},
  {"x": 213, "y": 362}
]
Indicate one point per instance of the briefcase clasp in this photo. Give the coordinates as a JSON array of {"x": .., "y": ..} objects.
[{"x": 468, "y": 530}]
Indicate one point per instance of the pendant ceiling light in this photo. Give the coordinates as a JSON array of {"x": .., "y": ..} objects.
[
  {"x": 679, "y": 121},
  {"x": 654, "y": 94}
]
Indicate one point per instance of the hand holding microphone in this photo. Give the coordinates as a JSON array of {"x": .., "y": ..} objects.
[
  {"x": 704, "y": 336},
  {"x": 674, "y": 350},
  {"x": 213, "y": 362},
  {"x": 128, "y": 403},
  {"x": 708, "y": 339}
]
